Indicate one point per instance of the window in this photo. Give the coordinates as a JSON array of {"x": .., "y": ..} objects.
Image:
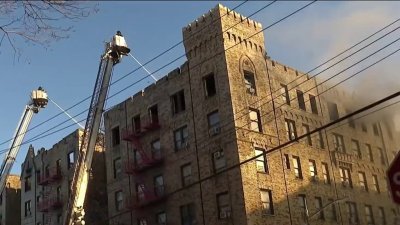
[
  {"x": 58, "y": 166},
  {"x": 375, "y": 128},
  {"x": 332, "y": 212},
  {"x": 181, "y": 138},
  {"x": 119, "y": 201},
  {"x": 325, "y": 173},
  {"x": 142, "y": 221},
  {"x": 355, "y": 146},
  {"x": 161, "y": 218},
  {"x": 224, "y": 208},
  {"x": 213, "y": 123},
  {"x": 28, "y": 211},
  {"x": 137, "y": 158},
  {"x": 313, "y": 169},
  {"x": 59, "y": 217},
  {"x": 352, "y": 211},
  {"x": 71, "y": 159},
  {"x": 159, "y": 187},
  {"x": 300, "y": 99},
  {"x": 306, "y": 130},
  {"x": 320, "y": 140},
  {"x": 58, "y": 191},
  {"x": 186, "y": 171},
  {"x": 369, "y": 152},
  {"x": 363, "y": 127},
  {"x": 381, "y": 215},
  {"x": 285, "y": 94},
  {"x": 287, "y": 161},
  {"x": 363, "y": 181},
  {"x": 345, "y": 177},
  {"x": 333, "y": 111},
  {"x": 318, "y": 208},
  {"x": 375, "y": 183},
  {"x": 117, "y": 168},
  {"x": 209, "y": 85},
  {"x": 219, "y": 160},
  {"x": 267, "y": 202},
  {"x": 381, "y": 156},
  {"x": 250, "y": 82},
  {"x": 115, "y": 137},
  {"x": 369, "y": 216},
  {"x": 153, "y": 114},
  {"x": 28, "y": 184},
  {"x": 156, "y": 149},
  {"x": 303, "y": 206},
  {"x": 178, "y": 102},
  {"x": 313, "y": 104},
  {"x": 297, "y": 167},
  {"x": 136, "y": 124},
  {"x": 188, "y": 216},
  {"x": 255, "y": 120},
  {"x": 290, "y": 129},
  {"x": 338, "y": 143},
  {"x": 140, "y": 192},
  {"x": 261, "y": 161}
]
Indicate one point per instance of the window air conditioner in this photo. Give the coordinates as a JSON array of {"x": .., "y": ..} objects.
[{"x": 215, "y": 130}]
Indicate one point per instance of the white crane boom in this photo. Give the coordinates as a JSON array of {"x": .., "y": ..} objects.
[
  {"x": 113, "y": 53},
  {"x": 38, "y": 100}
]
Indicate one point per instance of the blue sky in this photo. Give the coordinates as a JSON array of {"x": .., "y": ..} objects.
[{"x": 67, "y": 70}]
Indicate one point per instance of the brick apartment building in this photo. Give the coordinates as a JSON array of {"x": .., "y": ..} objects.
[
  {"x": 10, "y": 201},
  {"x": 216, "y": 111},
  {"x": 46, "y": 177}
]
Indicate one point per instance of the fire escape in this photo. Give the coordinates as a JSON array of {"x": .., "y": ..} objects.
[
  {"x": 143, "y": 161},
  {"x": 51, "y": 200}
]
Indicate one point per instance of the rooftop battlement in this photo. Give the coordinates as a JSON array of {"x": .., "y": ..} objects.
[{"x": 218, "y": 12}]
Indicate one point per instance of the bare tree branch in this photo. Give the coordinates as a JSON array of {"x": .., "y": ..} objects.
[{"x": 40, "y": 22}]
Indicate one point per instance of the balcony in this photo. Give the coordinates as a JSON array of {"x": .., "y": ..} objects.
[
  {"x": 132, "y": 167},
  {"x": 49, "y": 204},
  {"x": 147, "y": 198},
  {"x": 128, "y": 135},
  {"x": 51, "y": 175},
  {"x": 342, "y": 159}
]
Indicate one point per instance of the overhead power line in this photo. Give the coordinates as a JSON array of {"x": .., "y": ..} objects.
[{"x": 190, "y": 36}]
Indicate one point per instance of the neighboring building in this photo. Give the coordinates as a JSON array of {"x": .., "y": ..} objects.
[
  {"x": 46, "y": 178},
  {"x": 216, "y": 111},
  {"x": 10, "y": 202}
]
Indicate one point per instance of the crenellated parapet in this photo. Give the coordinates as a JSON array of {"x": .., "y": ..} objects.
[{"x": 220, "y": 29}]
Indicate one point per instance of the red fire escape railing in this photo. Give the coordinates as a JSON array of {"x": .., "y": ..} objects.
[
  {"x": 52, "y": 175},
  {"x": 146, "y": 197}
]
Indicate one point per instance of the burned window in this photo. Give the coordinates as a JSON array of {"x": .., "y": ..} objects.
[
  {"x": 136, "y": 124},
  {"x": 153, "y": 114},
  {"x": 300, "y": 99},
  {"x": 250, "y": 82},
  {"x": 178, "y": 102},
  {"x": 209, "y": 85},
  {"x": 313, "y": 104},
  {"x": 115, "y": 137},
  {"x": 285, "y": 94},
  {"x": 333, "y": 111}
]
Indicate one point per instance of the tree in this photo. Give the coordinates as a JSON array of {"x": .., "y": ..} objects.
[{"x": 39, "y": 22}]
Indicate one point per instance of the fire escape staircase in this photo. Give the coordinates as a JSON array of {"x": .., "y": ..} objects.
[{"x": 145, "y": 196}]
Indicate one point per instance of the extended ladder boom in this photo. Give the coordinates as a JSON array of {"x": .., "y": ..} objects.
[
  {"x": 38, "y": 100},
  {"x": 112, "y": 55}
]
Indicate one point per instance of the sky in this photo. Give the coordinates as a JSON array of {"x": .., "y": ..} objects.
[{"x": 68, "y": 68}]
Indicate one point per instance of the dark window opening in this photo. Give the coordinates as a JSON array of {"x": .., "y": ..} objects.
[
  {"x": 153, "y": 113},
  {"x": 136, "y": 124},
  {"x": 333, "y": 111},
  {"x": 313, "y": 104},
  {"x": 115, "y": 136},
  {"x": 178, "y": 102},
  {"x": 209, "y": 85},
  {"x": 285, "y": 94},
  {"x": 250, "y": 82},
  {"x": 375, "y": 128},
  {"x": 300, "y": 99},
  {"x": 71, "y": 159}
]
